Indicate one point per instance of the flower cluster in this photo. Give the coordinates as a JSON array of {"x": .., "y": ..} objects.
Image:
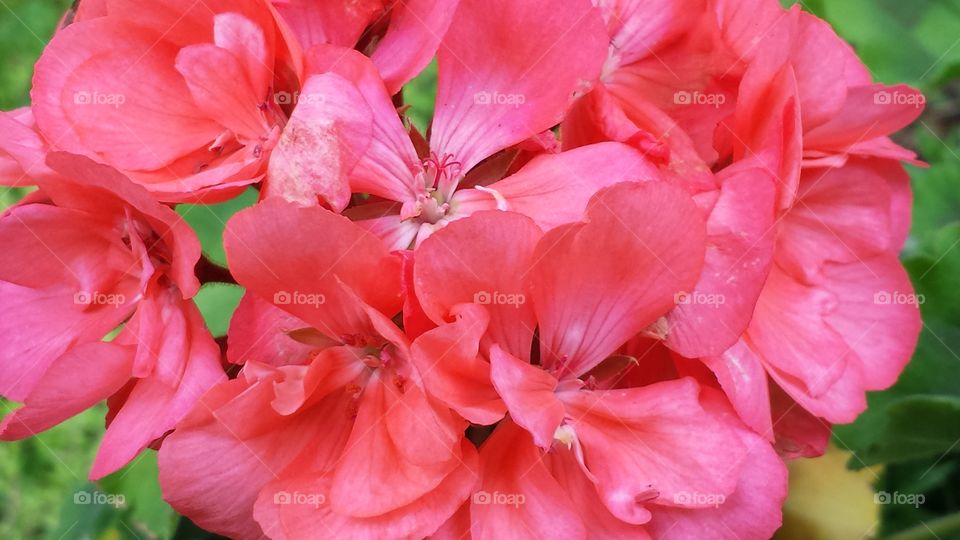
[{"x": 646, "y": 252}]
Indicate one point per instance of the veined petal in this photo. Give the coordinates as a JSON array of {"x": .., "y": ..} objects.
[
  {"x": 484, "y": 259},
  {"x": 597, "y": 284},
  {"x": 298, "y": 257},
  {"x": 553, "y": 189},
  {"x": 489, "y": 95}
]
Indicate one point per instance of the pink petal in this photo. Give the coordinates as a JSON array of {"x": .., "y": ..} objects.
[
  {"x": 389, "y": 164},
  {"x": 744, "y": 381},
  {"x": 382, "y": 219},
  {"x": 447, "y": 358},
  {"x": 767, "y": 124},
  {"x": 76, "y": 381},
  {"x": 819, "y": 61},
  {"x": 22, "y": 150},
  {"x": 96, "y": 76},
  {"x": 553, "y": 189},
  {"x": 901, "y": 201},
  {"x": 221, "y": 88},
  {"x": 297, "y": 257},
  {"x": 638, "y": 28},
  {"x": 753, "y": 27},
  {"x": 337, "y": 23},
  {"x": 740, "y": 242},
  {"x": 247, "y": 42},
  {"x": 798, "y": 433},
  {"x": 870, "y": 111},
  {"x": 97, "y": 188},
  {"x": 185, "y": 22},
  {"x": 878, "y": 314},
  {"x": 483, "y": 259},
  {"x": 260, "y": 332},
  {"x": 191, "y": 358},
  {"x": 530, "y": 395},
  {"x": 325, "y": 138},
  {"x": 569, "y": 474},
  {"x": 752, "y": 511},
  {"x": 518, "y": 497},
  {"x": 841, "y": 215},
  {"x": 790, "y": 335},
  {"x": 415, "y": 320},
  {"x": 48, "y": 308},
  {"x": 626, "y": 115},
  {"x": 597, "y": 284},
  {"x": 212, "y": 471},
  {"x": 416, "y": 520},
  {"x": 401, "y": 448},
  {"x": 652, "y": 445},
  {"x": 416, "y": 28},
  {"x": 499, "y": 86}
]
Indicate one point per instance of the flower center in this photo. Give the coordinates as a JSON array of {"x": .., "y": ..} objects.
[{"x": 440, "y": 178}]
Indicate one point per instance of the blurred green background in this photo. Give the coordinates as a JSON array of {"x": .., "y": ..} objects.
[{"x": 905, "y": 448}]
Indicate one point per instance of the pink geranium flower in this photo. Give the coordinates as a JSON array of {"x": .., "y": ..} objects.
[
  {"x": 399, "y": 37},
  {"x": 182, "y": 97},
  {"x": 823, "y": 330},
  {"x": 22, "y": 151},
  {"x": 353, "y": 426},
  {"x": 102, "y": 254},
  {"x": 491, "y": 97},
  {"x": 792, "y": 102},
  {"x": 587, "y": 288}
]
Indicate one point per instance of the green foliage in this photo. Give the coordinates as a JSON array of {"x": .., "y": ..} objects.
[
  {"x": 912, "y": 429},
  {"x": 124, "y": 505},
  {"x": 217, "y": 302},
  {"x": 209, "y": 221},
  {"x": 421, "y": 94},
  {"x": 10, "y": 196},
  {"x": 912, "y": 42},
  {"x": 39, "y": 474},
  {"x": 25, "y": 28}
]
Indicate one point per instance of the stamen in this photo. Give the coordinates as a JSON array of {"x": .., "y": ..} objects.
[{"x": 442, "y": 174}]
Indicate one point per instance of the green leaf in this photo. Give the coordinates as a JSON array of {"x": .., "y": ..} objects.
[
  {"x": 209, "y": 221},
  {"x": 217, "y": 302},
  {"x": 869, "y": 24},
  {"x": 421, "y": 95},
  {"x": 916, "y": 427},
  {"x": 936, "y": 199},
  {"x": 143, "y": 512},
  {"x": 10, "y": 196},
  {"x": 25, "y": 27},
  {"x": 38, "y": 474},
  {"x": 934, "y": 272}
]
